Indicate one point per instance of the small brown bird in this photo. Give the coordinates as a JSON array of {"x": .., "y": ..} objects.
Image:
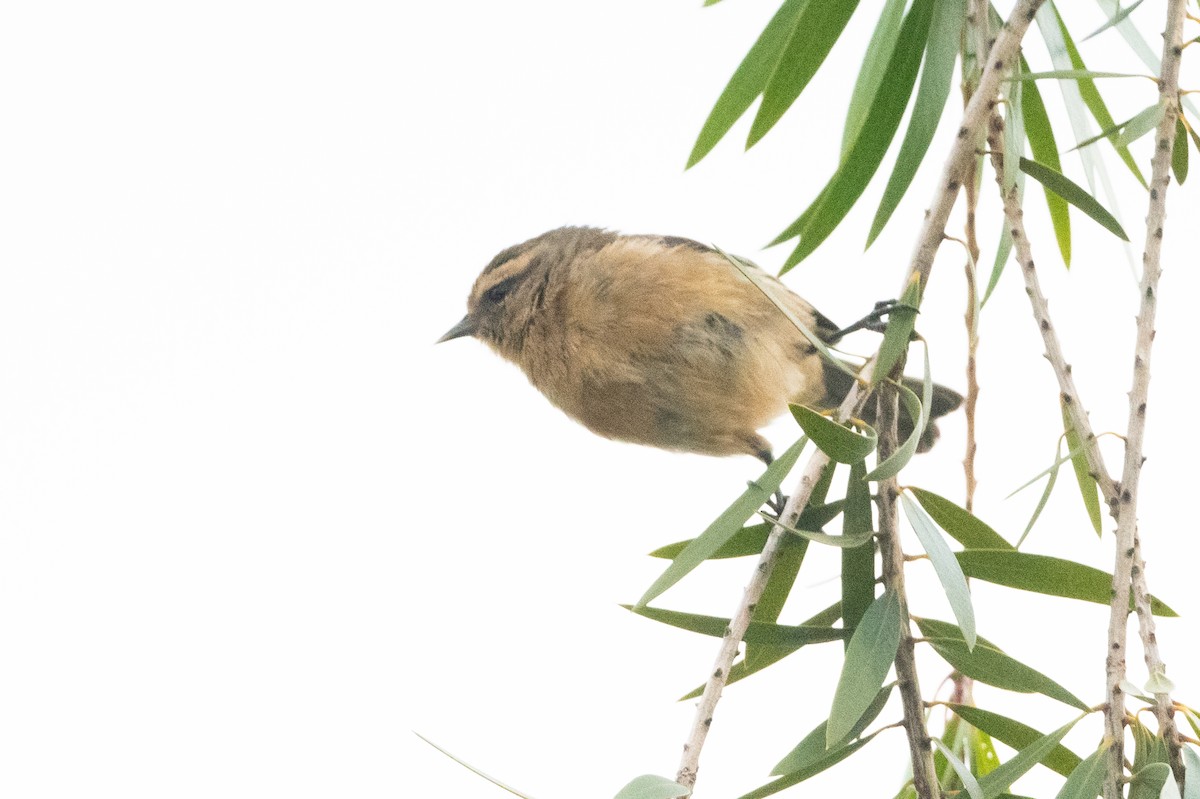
[{"x": 657, "y": 340}]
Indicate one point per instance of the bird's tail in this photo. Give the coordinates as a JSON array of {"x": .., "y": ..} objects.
[{"x": 945, "y": 400}]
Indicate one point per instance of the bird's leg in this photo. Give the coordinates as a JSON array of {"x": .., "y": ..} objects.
[
  {"x": 872, "y": 321},
  {"x": 777, "y": 502}
]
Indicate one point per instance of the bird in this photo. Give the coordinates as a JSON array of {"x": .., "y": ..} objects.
[{"x": 660, "y": 340}]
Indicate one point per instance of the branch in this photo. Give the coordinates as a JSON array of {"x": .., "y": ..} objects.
[
  {"x": 1128, "y": 558},
  {"x": 1003, "y": 52}
]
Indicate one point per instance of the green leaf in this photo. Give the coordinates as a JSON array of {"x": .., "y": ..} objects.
[
  {"x": 1014, "y": 131},
  {"x": 1086, "y": 781},
  {"x": 949, "y": 573},
  {"x": 1179, "y": 152},
  {"x": 970, "y": 784},
  {"x": 727, "y": 524},
  {"x": 868, "y": 659},
  {"x": 1116, "y": 19},
  {"x": 1191, "y": 782},
  {"x": 1142, "y": 123},
  {"x": 749, "y": 79},
  {"x": 902, "y": 320},
  {"x": 918, "y": 412},
  {"x": 1017, "y": 735},
  {"x": 959, "y": 523},
  {"x": 812, "y": 747},
  {"x": 652, "y": 786},
  {"x": 845, "y": 540},
  {"x": 1043, "y": 574},
  {"x": 471, "y": 768},
  {"x": 858, "y": 564},
  {"x": 812, "y": 36},
  {"x": 1070, "y": 191},
  {"x": 1070, "y": 74},
  {"x": 840, "y": 443},
  {"x": 831, "y": 758},
  {"x": 791, "y": 637},
  {"x": 1148, "y": 783},
  {"x": 941, "y": 50},
  {"x": 988, "y": 664},
  {"x": 860, "y": 163},
  {"x": 750, "y": 540},
  {"x": 1003, "y": 250},
  {"x": 1007, "y": 773},
  {"x": 873, "y": 70},
  {"x": 1045, "y": 151},
  {"x": 1045, "y": 497}
]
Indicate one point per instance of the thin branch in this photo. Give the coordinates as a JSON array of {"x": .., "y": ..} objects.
[
  {"x": 925, "y": 781},
  {"x": 1128, "y": 556},
  {"x": 930, "y": 238}
]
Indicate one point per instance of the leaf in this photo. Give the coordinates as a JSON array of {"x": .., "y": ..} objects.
[
  {"x": 1070, "y": 74},
  {"x": 903, "y": 454},
  {"x": 949, "y": 573},
  {"x": 1017, "y": 735},
  {"x": 812, "y": 747},
  {"x": 1148, "y": 783},
  {"x": 831, "y": 758},
  {"x": 840, "y": 443},
  {"x": 1086, "y": 781},
  {"x": 750, "y": 540},
  {"x": 1142, "y": 123},
  {"x": 863, "y": 159},
  {"x": 652, "y": 786},
  {"x": 941, "y": 49},
  {"x": 818, "y": 26},
  {"x": 469, "y": 767},
  {"x": 1043, "y": 574},
  {"x": 1159, "y": 683},
  {"x": 1114, "y": 20},
  {"x": 1014, "y": 131},
  {"x": 970, "y": 784},
  {"x": 725, "y": 526},
  {"x": 1070, "y": 191},
  {"x": 791, "y": 637},
  {"x": 1191, "y": 782},
  {"x": 1045, "y": 151},
  {"x": 959, "y": 523},
  {"x": 1045, "y": 497},
  {"x": 1003, "y": 250},
  {"x": 988, "y": 664},
  {"x": 873, "y": 70},
  {"x": 868, "y": 659},
  {"x": 749, "y": 79},
  {"x": 858, "y": 564},
  {"x": 845, "y": 540},
  {"x": 902, "y": 320},
  {"x": 1179, "y": 152},
  {"x": 1007, "y": 773}
]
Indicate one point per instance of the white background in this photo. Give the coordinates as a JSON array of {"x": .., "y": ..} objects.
[{"x": 256, "y": 528}]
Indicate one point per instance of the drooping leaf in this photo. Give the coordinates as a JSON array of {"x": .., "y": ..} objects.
[
  {"x": 844, "y": 540},
  {"x": 863, "y": 159},
  {"x": 970, "y": 784},
  {"x": 941, "y": 50},
  {"x": 749, "y": 79},
  {"x": 858, "y": 564},
  {"x": 652, "y": 786},
  {"x": 891, "y": 466},
  {"x": 813, "y": 34},
  {"x": 1044, "y": 147},
  {"x": 950, "y": 574},
  {"x": 988, "y": 664},
  {"x": 873, "y": 70},
  {"x": 1010, "y": 771},
  {"x": 1070, "y": 191},
  {"x": 1179, "y": 152},
  {"x": 1003, "y": 250},
  {"x": 868, "y": 659},
  {"x": 902, "y": 320},
  {"x": 1116, "y": 19},
  {"x": 750, "y": 539},
  {"x": 471, "y": 768},
  {"x": 838, "y": 442},
  {"x": 963, "y": 526},
  {"x": 1045, "y": 497},
  {"x": 1043, "y": 574},
  {"x": 1086, "y": 780},
  {"x": 1142, "y": 123},
  {"x": 831, "y": 758},
  {"x": 786, "y": 636},
  {"x": 727, "y": 524},
  {"x": 1017, "y": 735},
  {"x": 1014, "y": 130},
  {"x": 813, "y": 747},
  {"x": 1070, "y": 74}
]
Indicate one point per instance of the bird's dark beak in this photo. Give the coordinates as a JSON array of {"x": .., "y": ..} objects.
[{"x": 466, "y": 327}]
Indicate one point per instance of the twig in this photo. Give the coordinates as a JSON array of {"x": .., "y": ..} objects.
[
  {"x": 925, "y": 781},
  {"x": 1128, "y": 557},
  {"x": 928, "y": 241}
]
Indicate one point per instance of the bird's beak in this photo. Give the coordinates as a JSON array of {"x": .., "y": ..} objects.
[{"x": 466, "y": 327}]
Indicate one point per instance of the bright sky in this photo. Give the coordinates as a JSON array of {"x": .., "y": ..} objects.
[{"x": 256, "y": 528}]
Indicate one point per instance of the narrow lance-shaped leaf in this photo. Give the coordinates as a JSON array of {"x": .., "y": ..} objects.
[
  {"x": 1142, "y": 123},
  {"x": 1088, "y": 488},
  {"x": 858, "y": 564},
  {"x": 873, "y": 70},
  {"x": 1087, "y": 779},
  {"x": 903, "y": 454},
  {"x": 1017, "y": 735},
  {"x": 1051, "y": 481},
  {"x": 844, "y": 540},
  {"x": 949, "y": 573},
  {"x": 652, "y": 786},
  {"x": 838, "y": 442},
  {"x": 749, "y": 79},
  {"x": 812, "y": 36},
  {"x": 727, "y": 524},
  {"x": 1044, "y": 147},
  {"x": 1116, "y": 19},
  {"x": 868, "y": 658},
  {"x": 1070, "y": 191},
  {"x": 1014, "y": 131},
  {"x": 750, "y": 539},
  {"x": 963, "y": 526},
  {"x": 831, "y": 758},
  {"x": 970, "y": 784},
  {"x": 781, "y": 635},
  {"x": 471, "y": 768},
  {"x": 863, "y": 159},
  {"x": 1010, "y": 771},
  {"x": 988, "y": 664},
  {"x": 941, "y": 50},
  {"x": 1044, "y": 574},
  {"x": 1179, "y": 152},
  {"x": 902, "y": 320},
  {"x": 813, "y": 747}
]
